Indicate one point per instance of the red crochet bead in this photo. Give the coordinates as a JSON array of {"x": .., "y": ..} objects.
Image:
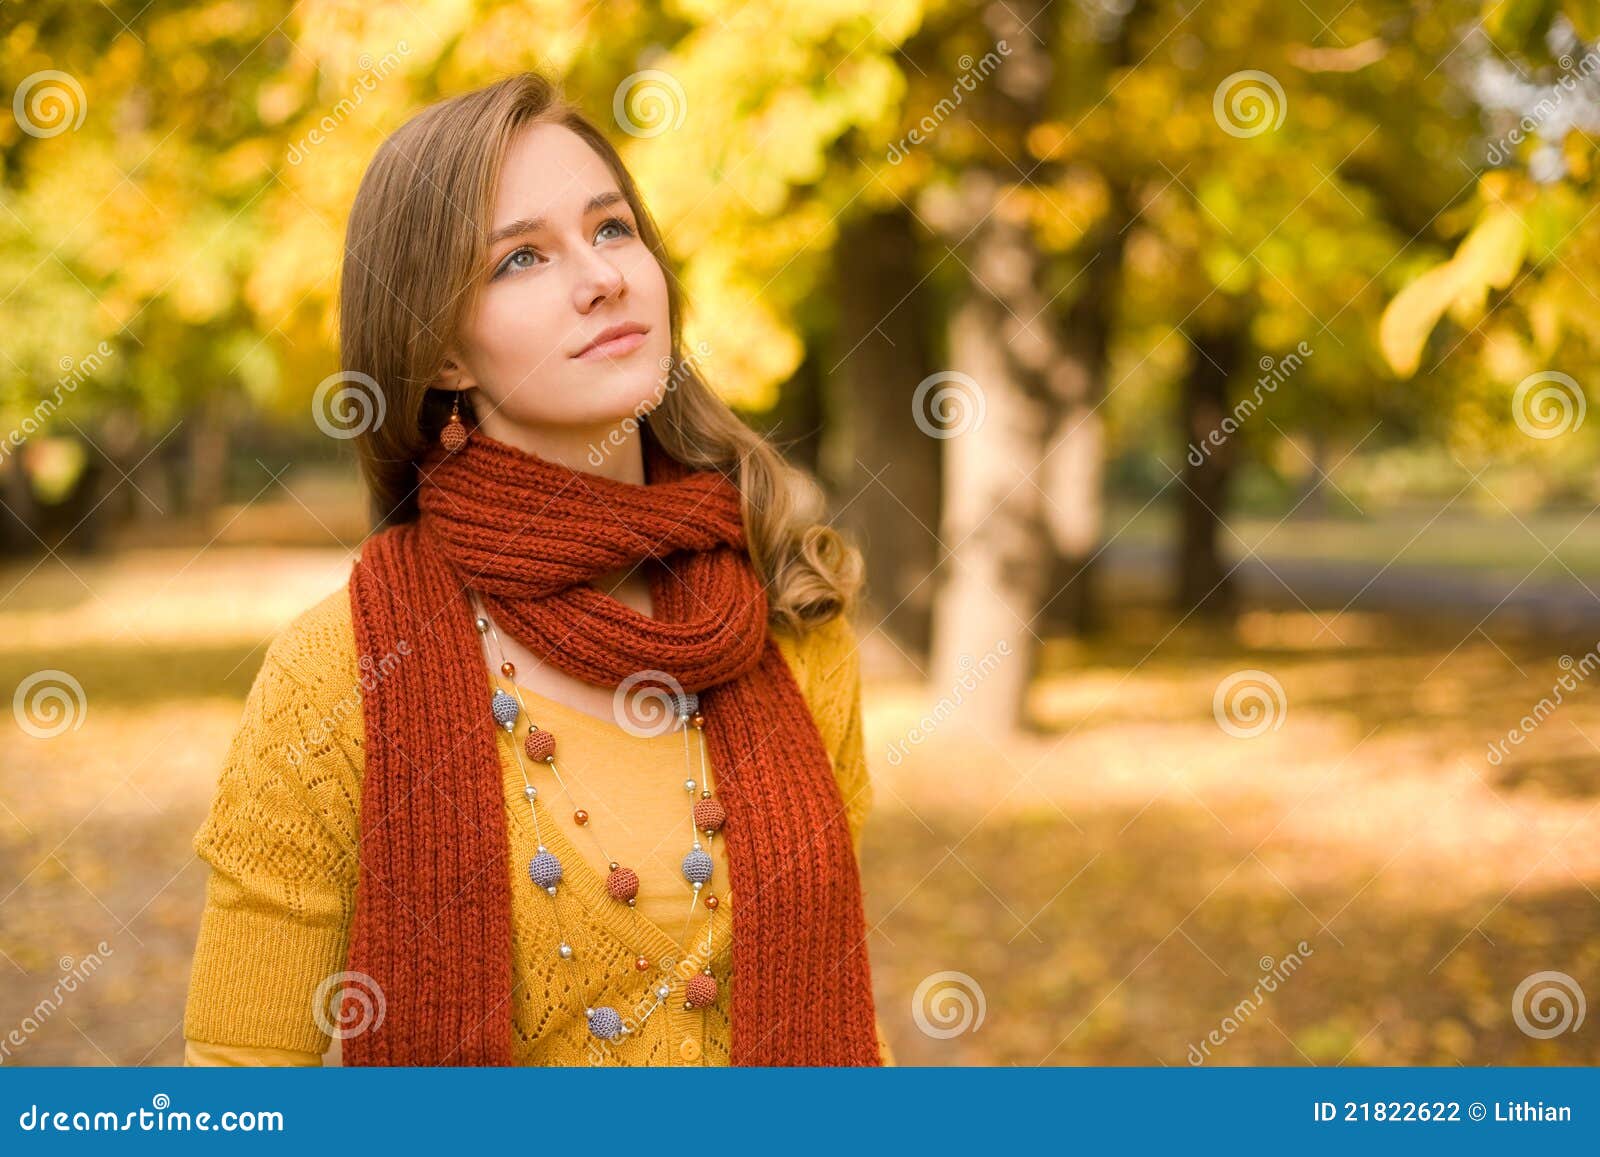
[
  {"x": 701, "y": 990},
  {"x": 540, "y": 745},
  {"x": 709, "y": 815},
  {"x": 622, "y": 884}
]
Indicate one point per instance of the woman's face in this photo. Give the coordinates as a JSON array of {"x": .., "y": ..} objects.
[{"x": 564, "y": 263}]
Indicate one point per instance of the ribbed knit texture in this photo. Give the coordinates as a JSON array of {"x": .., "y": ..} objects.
[
  {"x": 433, "y": 910},
  {"x": 280, "y": 841}
]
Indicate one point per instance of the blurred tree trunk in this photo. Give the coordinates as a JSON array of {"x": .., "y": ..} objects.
[
  {"x": 794, "y": 424},
  {"x": 1075, "y": 459},
  {"x": 1203, "y": 583},
  {"x": 1016, "y": 429},
  {"x": 888, "y": 471},
  {"x": 19, "y": 517},
  {"x": 209, "y": 430},
  {"x": 1312, "y": 501}
]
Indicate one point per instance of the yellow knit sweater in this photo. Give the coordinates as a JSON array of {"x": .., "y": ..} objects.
[{"x": 281, "y": 840}]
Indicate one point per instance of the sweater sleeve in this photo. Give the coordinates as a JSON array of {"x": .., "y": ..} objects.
[
  {"x": 834, "y": 677},
  {"x": 200, "y": 1053},
  {"x": 280, "y": 839}
]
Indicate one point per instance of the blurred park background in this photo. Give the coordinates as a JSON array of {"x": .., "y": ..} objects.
[{"x": 1205, "y": 382}]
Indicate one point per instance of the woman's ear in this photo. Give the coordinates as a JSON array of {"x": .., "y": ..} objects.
[{"x": 451, "y": 376}]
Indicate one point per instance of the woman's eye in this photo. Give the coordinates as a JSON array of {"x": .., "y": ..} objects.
[{"x": 511, "y": 260}]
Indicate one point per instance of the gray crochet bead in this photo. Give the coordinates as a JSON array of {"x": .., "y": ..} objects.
[
  {"x": 697, "y": 866},
  {"x": 505, "y": 709},
  {"x": 605, "y": 1023},
  {"x": 688, "y": 703},
  {"x": 545, "y": 869}
]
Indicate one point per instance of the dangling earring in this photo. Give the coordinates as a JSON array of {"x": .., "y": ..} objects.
[{"x": 454, "y": 434}]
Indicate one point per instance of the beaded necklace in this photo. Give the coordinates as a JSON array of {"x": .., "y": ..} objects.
[{"x": 622, "y": 883}]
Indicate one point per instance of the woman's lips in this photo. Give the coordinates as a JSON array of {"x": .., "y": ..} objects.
[{"x": 614, "y": 348}]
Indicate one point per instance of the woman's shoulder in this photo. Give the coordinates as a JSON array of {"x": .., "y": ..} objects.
[
  {"x": 820, "y": 650},
  {"x": 826, "y": 665},
  {"x": 318, "y": 644},
  {"x": 310, "y": 679}
]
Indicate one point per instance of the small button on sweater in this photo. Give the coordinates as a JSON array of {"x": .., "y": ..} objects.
[{"x": 281, "y": 837}]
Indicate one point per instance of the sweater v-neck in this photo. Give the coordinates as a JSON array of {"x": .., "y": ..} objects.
[{"x": 633, "y": 929}]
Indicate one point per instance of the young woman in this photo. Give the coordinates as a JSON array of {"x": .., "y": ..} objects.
[{"x": 570, "y": 771}]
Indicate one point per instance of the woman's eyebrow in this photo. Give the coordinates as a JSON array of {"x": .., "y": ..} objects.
[{"x": 534, "y": 224}]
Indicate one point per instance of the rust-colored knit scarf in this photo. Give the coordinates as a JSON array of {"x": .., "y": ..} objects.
[{"x": 432, "y": 924}]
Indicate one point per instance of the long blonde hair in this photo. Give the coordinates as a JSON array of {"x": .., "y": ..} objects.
[{"x": 401, "y": 301}]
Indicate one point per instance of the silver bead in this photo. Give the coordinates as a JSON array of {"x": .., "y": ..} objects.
[
  {"x": 482, "y": 624},
  {"x": 663, "y": 992},
  {"x": 530, "y": 791},
  {"x": 551, "y": 889},
  {"x": 566, "y": 952},
  {"x": 688, "y": 785}
]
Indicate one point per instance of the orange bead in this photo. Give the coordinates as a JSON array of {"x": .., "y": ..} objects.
[
  {"x": 580, "y": 817},
  {"x": 622, "y": 884},
  {"x": 699, "y": 720},
  {"x": 540, "y": 745},
  {"x": 507, "y": 669},
  {"x": 701, "y": 990},
  {"x": 709, "y": 815},
  {"x": 641, "y": 964},
  {"x": 711, "y": 901}
]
